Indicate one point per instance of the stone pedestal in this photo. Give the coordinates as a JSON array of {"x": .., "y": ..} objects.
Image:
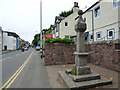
[{"x": 83, "y": 70}]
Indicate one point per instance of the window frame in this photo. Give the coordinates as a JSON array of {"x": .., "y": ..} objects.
[
  {"x": 67, "y": 36},
  {"x": 57, "y": 27},
  {"x": 90, "y": 37},
  {"x": 66, "y": 24},
  {"x": 117, "y": 4},
  {"x": 97, "y": 12},
  {"x": 97, "y": 35},
  {"x": 113, "y": 36}
]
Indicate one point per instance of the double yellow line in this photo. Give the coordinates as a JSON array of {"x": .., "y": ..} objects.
[{"x": 14, "y": 76}]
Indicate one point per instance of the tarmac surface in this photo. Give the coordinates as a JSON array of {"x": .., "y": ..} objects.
[{"x": 34, "y": 74}]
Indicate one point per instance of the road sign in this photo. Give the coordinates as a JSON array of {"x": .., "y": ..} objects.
[{"x": 48, "y": 36}]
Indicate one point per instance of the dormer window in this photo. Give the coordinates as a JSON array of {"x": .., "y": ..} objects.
[{"x": 97, "y": 12}]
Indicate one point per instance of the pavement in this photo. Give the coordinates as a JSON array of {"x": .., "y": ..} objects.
[
  {"x": 8, "y": 51},
  {"x": 53, "y": 75}
]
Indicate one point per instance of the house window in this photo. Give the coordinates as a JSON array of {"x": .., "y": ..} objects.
[
  {"x": 57, "y": 37},
  {"x": 97, "y": 12},
  {"x": 110, "y": 33},
  {"x": 119, "y": 32},
  {"x": 57, "y": 27},
  {"x": 66, "y": 23},
  {"x": 116, "y": 3},
  {"x": 99, "y": 35},
  {"x": 67, "y": 36},
  {"x": 86, "y": 36},
  {"x": 5, "y": 47},
  {"x": 72, "y": 38},
  {"x": 91, "y": 37},
  {"x": 53, "y": 31}
]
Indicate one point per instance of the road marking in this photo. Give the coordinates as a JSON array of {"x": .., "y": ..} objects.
[
  {"x": 12, "y": 79},
  {"x": 5, "y": 58}
]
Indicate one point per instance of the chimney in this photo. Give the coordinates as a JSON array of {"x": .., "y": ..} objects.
[
  {"x": 75, "y": 4},
  {"x": 76, "y": 7}
]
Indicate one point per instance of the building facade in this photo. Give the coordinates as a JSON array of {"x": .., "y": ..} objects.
[
  {"x": 64, "y": 26},
  {"x": 103, "y": 20},
  {"x": 10, "y": 41},
  {"x": 67, "y": 25},
  {"x": 58, "y": 20}
]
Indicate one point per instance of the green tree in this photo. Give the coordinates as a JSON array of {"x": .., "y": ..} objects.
[
  {"x": 36, "y": 39},
  {"x": 47, "y": 31},
  {"x": 66, "y": 13},
  {"x": 37, "y": 36}
]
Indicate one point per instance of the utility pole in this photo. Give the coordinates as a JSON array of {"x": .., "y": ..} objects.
[{"x": 41, "y": 26}]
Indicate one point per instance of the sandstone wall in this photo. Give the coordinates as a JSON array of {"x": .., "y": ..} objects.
[{"x": 102, "y": 54}]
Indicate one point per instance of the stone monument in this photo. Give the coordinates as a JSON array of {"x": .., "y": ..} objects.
[
  {"x": 80, "y": 54},
  {"x": 80, "y": 76}
]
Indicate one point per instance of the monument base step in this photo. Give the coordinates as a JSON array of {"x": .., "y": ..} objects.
[
  {"x": 68, "y": 71},
  {"x": 85, "y": 84},
  {"x": 87, "y": 77},
  {"x": 82, "y": 70}
]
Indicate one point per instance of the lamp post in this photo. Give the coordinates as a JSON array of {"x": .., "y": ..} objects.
[{"x": 41, "y": 25}]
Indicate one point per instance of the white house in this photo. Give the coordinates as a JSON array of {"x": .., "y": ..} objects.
[
  {"x": 67, "y": 25},
  {"x": 10, "y": 40},
  {"x": 56, "y": 31},
  {"x": 64, "y": 26},
  {"x": 103, "y": 20}
]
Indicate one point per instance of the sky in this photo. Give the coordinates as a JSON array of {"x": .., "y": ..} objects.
[{"x": 23, "y": 16}]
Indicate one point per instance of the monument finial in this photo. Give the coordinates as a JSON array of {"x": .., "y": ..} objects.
[{"x": 80, "y": 12}]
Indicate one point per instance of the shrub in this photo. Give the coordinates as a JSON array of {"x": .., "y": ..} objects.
[
  {"x": 74, "y": 71},
  {"x": 59, "y": 40}
]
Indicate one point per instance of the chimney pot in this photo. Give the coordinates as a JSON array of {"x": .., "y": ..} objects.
[{"x": 75, "y": 4}]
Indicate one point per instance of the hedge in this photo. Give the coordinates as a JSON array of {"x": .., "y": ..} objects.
[{"x": 59, "y": 40}]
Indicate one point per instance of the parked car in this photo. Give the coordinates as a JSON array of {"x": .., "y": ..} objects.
[
  {"x": 37, "y": 48},
  {"x": 25, "y": 48}
]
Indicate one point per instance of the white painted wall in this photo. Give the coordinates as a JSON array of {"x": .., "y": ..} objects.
[
  {"x": 70, "y": 29},
  {"x": 109, "y": 18},
  {"x": 9, "y": 41}
]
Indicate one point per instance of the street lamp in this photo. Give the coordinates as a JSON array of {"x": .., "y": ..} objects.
[{"x": 41, "y": 25}]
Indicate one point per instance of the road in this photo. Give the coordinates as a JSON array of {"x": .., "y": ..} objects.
[
  {"x": 11, "y": 54},
  {"x": 33, "y": 72}
]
